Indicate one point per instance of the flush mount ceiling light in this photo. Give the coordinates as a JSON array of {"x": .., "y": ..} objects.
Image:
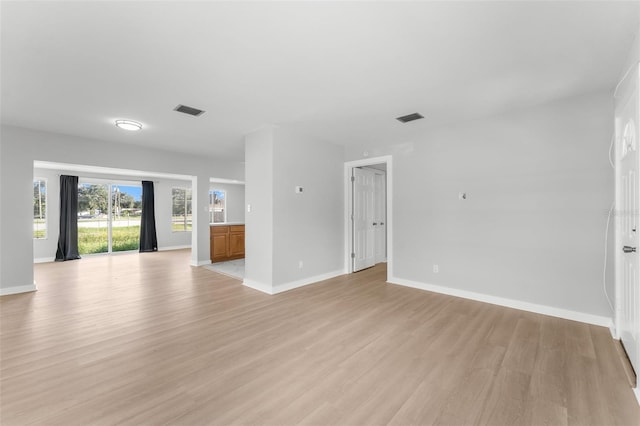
[
  {"x": 128, "y": 125},
  {"x": 410, "y": 117}
]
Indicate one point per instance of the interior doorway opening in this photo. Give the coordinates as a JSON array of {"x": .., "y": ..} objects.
[{"x": 369, "y": 214}]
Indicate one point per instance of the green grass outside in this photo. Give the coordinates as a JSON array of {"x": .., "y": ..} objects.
[
  {"x": 94, "y": 240},
  {"x": 39, "y": 231},
  {"x": 177, "y": 227},
  {"x": 178, "y": 223}
]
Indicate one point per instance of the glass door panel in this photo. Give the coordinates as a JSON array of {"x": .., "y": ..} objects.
[
  {"x": 93, "y": 218},
  {"x": 126, "y": 212}
]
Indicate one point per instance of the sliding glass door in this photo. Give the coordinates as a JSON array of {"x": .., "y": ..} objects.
[
  {"x": 126, "y": 211},
  {"x": 93, "y": 218},
  {"x": 108, "y": 217}
]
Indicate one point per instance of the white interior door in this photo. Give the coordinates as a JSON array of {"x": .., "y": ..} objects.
[
  {"x": 627, "y": 199},
  {"x": 363, "y": 218},
  {"x": 380, "y": 217}
]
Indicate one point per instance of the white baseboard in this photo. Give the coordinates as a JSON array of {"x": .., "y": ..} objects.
[
  {"x": 305, "y": 281},
  {"x": 509, "y": 303},
  {"x": 280, "y": 288},
  {"x": 201, "y": 263},
  {"x": 174, "y": 248},
  {"x": 265, "y": 288},
  {"x": 18, "y": 289},
  {"x": 613, "y": 331},
  {"x": 44, "y": 259},
  {"x": 636, "y": 391}
]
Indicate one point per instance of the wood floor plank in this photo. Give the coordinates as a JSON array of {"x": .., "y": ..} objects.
[
  {"x": 507, "y": 398},
  {"x": 146, "y": 339}
]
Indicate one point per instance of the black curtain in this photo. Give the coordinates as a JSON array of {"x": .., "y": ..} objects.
[
  {"x": 68, "y": 238},
  {"x": 148, "y": 239}
]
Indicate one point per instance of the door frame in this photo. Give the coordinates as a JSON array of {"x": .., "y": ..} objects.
[{"x": 348, "y": 197}]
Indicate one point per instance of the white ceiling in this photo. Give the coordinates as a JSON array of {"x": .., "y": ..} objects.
[{"x": 338, "y": 71}]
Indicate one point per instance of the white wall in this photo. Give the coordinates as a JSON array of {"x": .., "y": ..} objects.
[
  {"x": 167, "y": 238},
  {"x": 20, "y": 147},
  {"x": 307, "y": 226},
  {"x": 284, "y": 228},
  {"x": 235, "y": 200},
  {"x": 633, "y": 56},
  {"x": 539, "y": 186},
  {"x": 258, "y": 241},
  {"x": 16, "y": 216}
]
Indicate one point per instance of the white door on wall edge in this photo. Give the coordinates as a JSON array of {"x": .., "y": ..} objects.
[
  {"x": 627, "y": 212},
  {"x": 362, "y": 214},
  {"x": 380, "y": 217}
]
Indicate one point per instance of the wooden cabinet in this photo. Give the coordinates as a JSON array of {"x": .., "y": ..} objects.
[
  {"x": 236, "y": 241},
  {"x": 219, "y": 238},
  {"x": 227, "y": 242}
]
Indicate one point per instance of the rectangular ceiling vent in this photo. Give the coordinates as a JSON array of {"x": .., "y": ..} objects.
[
  {"x": 189, "y": 110},
  {"x": 410, "y": 117}
]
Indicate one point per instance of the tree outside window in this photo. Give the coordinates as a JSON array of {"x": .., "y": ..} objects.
[
  {"x": 181, "y": 214},
  {"x": 39, "y": 208},
  {"x": 217, "y": 206}
]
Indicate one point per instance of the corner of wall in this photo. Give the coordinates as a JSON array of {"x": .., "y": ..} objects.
[{"x": 264, "y": 288}]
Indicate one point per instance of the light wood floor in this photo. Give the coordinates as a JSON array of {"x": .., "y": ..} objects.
[{"x": 148, "y": 340}]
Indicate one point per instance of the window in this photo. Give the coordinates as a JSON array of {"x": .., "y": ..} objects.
[
  {"x": 39, "y": 208},
  {"x": 181, "y": 210},
  {"x": 217, "y": 206}
]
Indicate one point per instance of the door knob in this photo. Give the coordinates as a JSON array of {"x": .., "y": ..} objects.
[{"x": 628, "y": 249}]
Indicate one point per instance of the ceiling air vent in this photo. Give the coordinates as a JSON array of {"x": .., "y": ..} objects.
[
  {"x": 189, "y": 110},
  {"x": 410, "y": 117}
]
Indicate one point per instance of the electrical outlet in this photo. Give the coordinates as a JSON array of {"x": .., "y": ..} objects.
[
  {"x": 436, "y": 268},
  {"x": 300, "y": 264}
]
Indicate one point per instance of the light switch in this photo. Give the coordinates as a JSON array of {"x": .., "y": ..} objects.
[{"x": 298, "y": 190}]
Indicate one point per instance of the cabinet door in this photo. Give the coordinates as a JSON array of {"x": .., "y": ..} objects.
[
  {"x": 219, "y": 243},
  {"x": 211, "y": 248},
  {"x": 236, "y": 244}
]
